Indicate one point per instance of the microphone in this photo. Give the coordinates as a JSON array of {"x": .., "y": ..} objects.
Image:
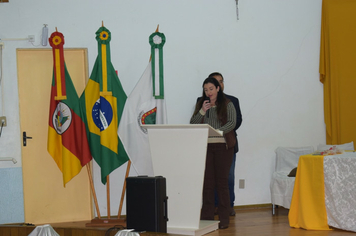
[{"x": 207, "y": 112}]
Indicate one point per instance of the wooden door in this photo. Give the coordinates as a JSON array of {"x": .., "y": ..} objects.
[{"x": 46, "y": 200}]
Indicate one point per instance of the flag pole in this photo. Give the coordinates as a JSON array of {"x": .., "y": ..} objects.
[
  {"x": 108, "y": 194},
  {"x": 107, "y": 177},
  {"x": 93, "y": 191},
  {"x": 157, "y": 29},
  {"x": 124, "y": 188}
]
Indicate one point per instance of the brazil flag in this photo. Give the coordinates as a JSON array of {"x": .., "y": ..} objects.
[{"x": 102, "y": 103}]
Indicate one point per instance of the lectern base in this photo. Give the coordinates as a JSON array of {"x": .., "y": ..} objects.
[
  {"x": 104, "y": 222},
  {"x": 205, "y": 227}
]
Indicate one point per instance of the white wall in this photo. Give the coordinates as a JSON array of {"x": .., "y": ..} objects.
[{"x": 269, "y": 58}]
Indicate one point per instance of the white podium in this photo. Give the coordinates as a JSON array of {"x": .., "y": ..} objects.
[{"x": 178, "y": 154}]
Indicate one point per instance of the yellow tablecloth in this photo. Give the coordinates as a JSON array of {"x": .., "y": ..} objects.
[{"x": 307, "y": 208}]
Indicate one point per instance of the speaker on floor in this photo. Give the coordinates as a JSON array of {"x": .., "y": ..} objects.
[{"x": 146, "y": 204}]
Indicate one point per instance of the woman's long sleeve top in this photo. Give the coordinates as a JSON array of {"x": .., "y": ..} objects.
[{"x": 212, "y": 119}]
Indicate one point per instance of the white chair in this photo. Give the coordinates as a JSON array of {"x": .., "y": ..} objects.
[{"x": 281, "y": 185}]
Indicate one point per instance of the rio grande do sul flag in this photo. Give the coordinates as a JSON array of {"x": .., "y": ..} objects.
[
  {"x": 67, "y": 142},
  {"x": 102, "y": 103},
  {"x": 145, "y": 105}
]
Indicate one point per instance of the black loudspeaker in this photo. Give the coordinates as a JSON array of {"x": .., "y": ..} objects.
[{"x": 146, "y": 204}]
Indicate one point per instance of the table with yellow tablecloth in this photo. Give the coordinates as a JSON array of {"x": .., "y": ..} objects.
[
  {"x": 307, "y": 208},
  {"x": 324, "y": 187}
]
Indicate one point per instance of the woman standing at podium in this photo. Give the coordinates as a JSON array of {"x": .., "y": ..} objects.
[{"x": 216, "y": 110}]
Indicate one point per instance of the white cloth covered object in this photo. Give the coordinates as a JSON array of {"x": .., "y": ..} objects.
[
  {"x": 44, "y": 230},
  {"x": 282, "y": 186}
]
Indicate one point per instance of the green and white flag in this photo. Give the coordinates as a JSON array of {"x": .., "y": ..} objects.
[{"x": 145, "y": 105}]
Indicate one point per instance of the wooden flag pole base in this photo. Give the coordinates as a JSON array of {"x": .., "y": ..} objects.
[
  {"x": 111, "y": 222},
  {"x": 104, "y": 222}
]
